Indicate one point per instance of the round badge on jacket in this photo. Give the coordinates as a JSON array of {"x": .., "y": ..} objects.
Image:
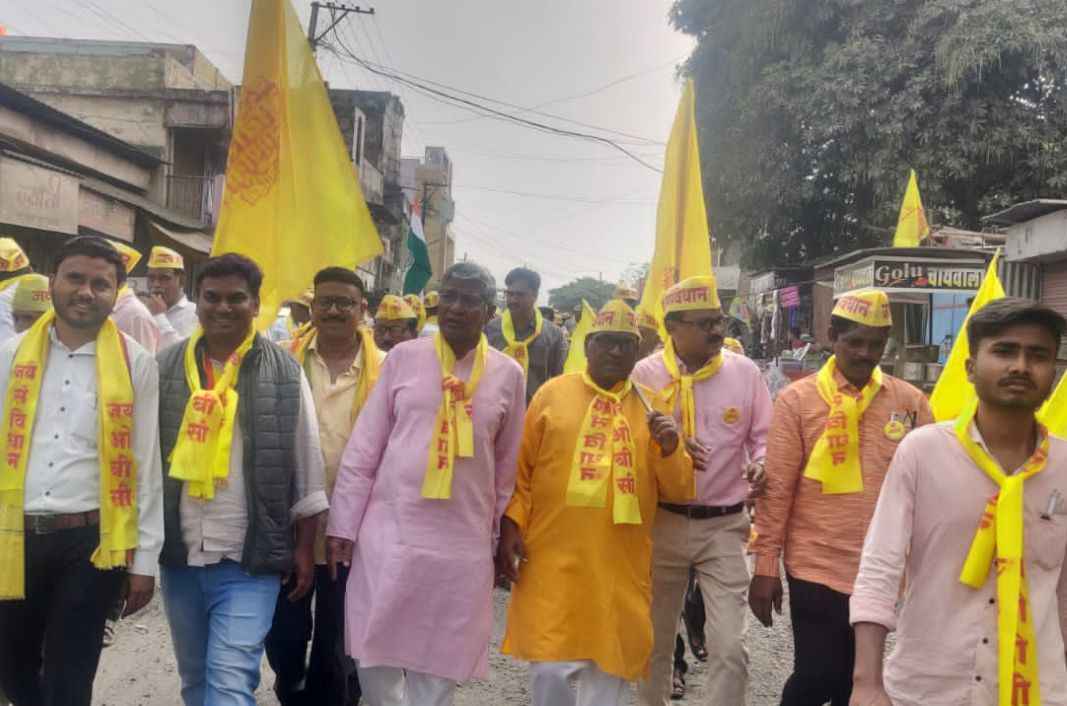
[
  {"x": 895, "y": 430},
  {"x": 731, "y": 414}
]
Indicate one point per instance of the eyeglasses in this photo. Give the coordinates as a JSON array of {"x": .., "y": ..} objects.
[
  {"x": 451, "y": 297},
  {"x": 392, "y": 330},
  {"x": 327, "y": 303},
  {"x": 626, "y": 343},
  {"x": 706, "y": 325}
]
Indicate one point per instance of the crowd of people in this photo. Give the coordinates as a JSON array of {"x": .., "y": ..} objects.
[{"x": 344, "y": 492}]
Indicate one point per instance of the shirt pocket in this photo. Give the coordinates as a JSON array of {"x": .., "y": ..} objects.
[
  {"x": 84, "y": 417},
  {"x": 728, "y": 425},
  {"x": 1047, "y": 540}
]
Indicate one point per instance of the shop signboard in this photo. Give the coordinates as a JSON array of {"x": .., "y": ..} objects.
[{"x": 911, "y": 274}]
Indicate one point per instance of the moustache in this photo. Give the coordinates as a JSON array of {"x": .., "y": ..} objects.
[{"x": 1016, "y": 379}]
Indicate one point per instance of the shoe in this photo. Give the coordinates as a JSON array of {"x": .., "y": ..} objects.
[
  {"x": 699, "y": 651},
  {"x": 109, "y": 633},
  {"x": 678, "y": 686}
]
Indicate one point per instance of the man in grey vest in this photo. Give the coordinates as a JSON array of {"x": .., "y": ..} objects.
[{"x": 242, "y": 500}]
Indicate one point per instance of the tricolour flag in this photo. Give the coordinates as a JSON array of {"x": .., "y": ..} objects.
[
  {"x": 419, "y": 271},
  {"x": 911, "y": 225},
  {"x": 953, "y": 391},
  {"x": 683, "y": 240},
  {"x": 292, "y": 201}
]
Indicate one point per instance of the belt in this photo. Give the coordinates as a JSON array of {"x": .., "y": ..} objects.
[
  {"x": 46, "y": 524},
  {"x": 703, "y": 512}
]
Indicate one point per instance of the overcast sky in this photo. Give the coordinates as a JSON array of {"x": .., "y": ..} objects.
[{"x": 558, "y": 54}]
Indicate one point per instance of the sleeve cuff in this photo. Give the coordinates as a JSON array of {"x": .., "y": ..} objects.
[
  {"x": 517, "y": 514},
  {"x": 866, "y": 609},
  {"x": 145, "y": 563},
  {"x": 767, "y": 565},
  {"x": 310, "y": 505}
]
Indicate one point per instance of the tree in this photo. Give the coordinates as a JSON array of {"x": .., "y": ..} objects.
[
  {"x": 595, "y": 291},
  {"x": 811, "y": 112}
]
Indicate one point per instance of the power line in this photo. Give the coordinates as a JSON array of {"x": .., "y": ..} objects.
[
  {"x": 551, "y": 197},
  {"x": 448, "y": 98}
]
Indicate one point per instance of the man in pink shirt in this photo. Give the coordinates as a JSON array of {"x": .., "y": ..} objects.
[
  {"x": 725, "y": 411},
  {"x": 985, "y": 493},
  {"x": 416, "y": 509}
]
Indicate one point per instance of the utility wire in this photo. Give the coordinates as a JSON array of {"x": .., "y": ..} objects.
[{"x": 552, "y": 197}]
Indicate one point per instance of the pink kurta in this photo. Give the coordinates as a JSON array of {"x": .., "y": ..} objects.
[{"x": 419, "y": 593}]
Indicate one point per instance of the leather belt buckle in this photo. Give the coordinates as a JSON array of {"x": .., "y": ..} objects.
[{"x": 41, "y": 524}]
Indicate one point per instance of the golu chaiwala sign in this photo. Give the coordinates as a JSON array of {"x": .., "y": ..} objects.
[{"x": 911, "y": 274}]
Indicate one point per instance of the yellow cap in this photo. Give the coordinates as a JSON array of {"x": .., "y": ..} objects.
[
  {"x": 304, "y": 298},
  {"x": 432, "y": 300},
  {"x": 691, "y": 294},
  {"x": 869, "y": 307},
  {"x": 624, "y": 291},
  {"x": 31, "y": 294},
  {"x": 646, "y": 320},
  {"x": 415, "y": 302},
  {"x": 393, "y": 308},
  {"x": 130, "y": 257},
  {"x": 615, "y": 317},
  {"x": 165, "y": 259},
  {"x": 733, "y": 345},
  {"x": 12, "y": 258}
]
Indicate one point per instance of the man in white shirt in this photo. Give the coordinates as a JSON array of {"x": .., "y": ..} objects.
[
  {"x": 234, "y": 530},
  {"x": 173, "y": 312},
  {"x": 50, "y": 638},
  {"x": 13, "y": 264}
]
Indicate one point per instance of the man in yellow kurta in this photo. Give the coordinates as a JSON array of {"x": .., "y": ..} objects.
[{"x": 576, "y": 539}]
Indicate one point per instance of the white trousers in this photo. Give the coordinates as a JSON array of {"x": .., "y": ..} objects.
[
  {"x": 392, "y": 686},
  {"x": 550, "y": 685}
]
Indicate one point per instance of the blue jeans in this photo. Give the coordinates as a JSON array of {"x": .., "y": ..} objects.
[{"x": 219, "y": 617}]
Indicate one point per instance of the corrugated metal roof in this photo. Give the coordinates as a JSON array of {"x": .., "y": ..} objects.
[{"x": 1026, "y": 211}]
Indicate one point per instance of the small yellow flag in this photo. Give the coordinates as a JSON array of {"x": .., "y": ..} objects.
[
  {"x": 576, "y": 355},
  {"x": 1054, "y": 412},
  {"x": 683, "y": 240},
  {"x": 292, "y": 202},
  {"x": 953, "y": 391},
  {"x": 911, "y": 226}
]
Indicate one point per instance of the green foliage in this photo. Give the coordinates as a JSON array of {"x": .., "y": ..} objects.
[
  {"x": 593, "y": 290},
  {"x": 811, "y": 112}
]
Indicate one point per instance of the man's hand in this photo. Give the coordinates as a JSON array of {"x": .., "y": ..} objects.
[
  {"x": 763, "y": 593},
  {"x": 156, "y": 304},
  {"x": 756, "y": 476},
  {"x": 869, "y": 693},
  {"x": 338, "y": 551},
  {"x": 511, "y": 551},
  {"x": 303, "y": 575},
  {"x": 699, "y": 453},
  {"x": 138, "y": 591},
  {"x": 665, "y": 431}
]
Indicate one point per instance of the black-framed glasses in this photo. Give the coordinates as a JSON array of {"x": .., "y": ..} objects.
[
  {"x": 327, "y": 303},
  {"x": 706, "y": 325}
]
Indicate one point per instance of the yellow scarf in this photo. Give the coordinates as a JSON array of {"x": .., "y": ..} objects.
[
  {"x": 371, "y": 366},
  {"x": 605, "y": 450},
  {"x": 118, "y": 468},
  {"x": 12, "y": 282},
  {"x": 454, "y": 427},
  {"x": 835, "y": 460},
  {"x": 201, "y": 455},
  {"x": 519, "y": 350},
  {"x": 681, "y": 387},
  {"x": 999, "y": 540}
]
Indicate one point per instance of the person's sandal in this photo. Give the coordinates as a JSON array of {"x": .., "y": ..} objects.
[
  {"x": 678, "y": 686},
  {"x": 109, "y": 633}
]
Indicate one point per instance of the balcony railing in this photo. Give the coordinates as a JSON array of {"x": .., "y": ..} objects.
[{"x": 188, "y": 195}]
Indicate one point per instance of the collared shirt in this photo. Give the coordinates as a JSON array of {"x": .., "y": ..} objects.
[
  {"x": 821, "y": 535},
  {"x": 733, "y": 414},
  {"x": 135, "y": 320},
  {"x": 177, "y": 323},
  {"x": 333, "y": 408},
  {"x": 925, "y": 521},
  {"x": 214, "y": 530},
  {"x": 548, "y": 352},
  {"x": 63, "y": 471}
]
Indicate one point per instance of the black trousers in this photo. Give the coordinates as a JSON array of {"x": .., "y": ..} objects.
[
  {"x": 329, "y": 677},
  {"x": 50, "y": 642},
  {"x": 824, "y": 646}
]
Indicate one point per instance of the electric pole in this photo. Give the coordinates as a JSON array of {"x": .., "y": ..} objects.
[{"x": 337, "y": 13}]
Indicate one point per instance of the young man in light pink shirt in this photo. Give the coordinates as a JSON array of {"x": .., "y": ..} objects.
[
  {"x": 725, "y": 410},
  {"x": 978, "y": 493}
]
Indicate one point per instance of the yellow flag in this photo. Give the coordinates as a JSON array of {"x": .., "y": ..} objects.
[
  {"x": 576, "y": 355},
  {"x": 953, "y": 390},
  {"x": 683, "y": 240},
  {"x": 911, "y": 226},
  {"x": 1054, "y": 412},
  {"x": 292, "y": 202}
]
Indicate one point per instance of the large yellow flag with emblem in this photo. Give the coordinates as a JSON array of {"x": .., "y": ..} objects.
[
  {"x": 683, "y": 240},
  {"x": 576, "y": 361},
  {"x": 953, "y": 390},
  {"x": 911, "y": 226},
  {"x": 292, "y": 202}
]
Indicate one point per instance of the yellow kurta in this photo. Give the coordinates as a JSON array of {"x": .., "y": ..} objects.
[{"x": 586, "y": 590}]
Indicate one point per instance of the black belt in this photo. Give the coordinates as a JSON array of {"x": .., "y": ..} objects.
[
  {"x": 703, "y": 512},
  {"x": 47, "y": 524}
]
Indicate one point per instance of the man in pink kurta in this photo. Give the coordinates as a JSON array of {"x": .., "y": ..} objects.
[{"x": 419, "y": 590}]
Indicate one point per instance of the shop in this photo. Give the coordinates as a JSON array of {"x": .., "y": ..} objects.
[{"x": 780, "y": 304}]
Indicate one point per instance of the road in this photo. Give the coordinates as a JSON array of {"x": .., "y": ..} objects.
[{"x": 139, "y": 669}]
